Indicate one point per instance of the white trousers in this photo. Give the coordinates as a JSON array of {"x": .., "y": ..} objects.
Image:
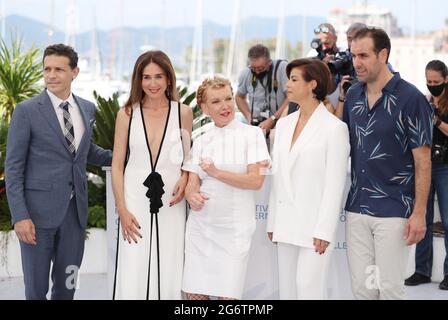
[
  {"x": 377, "y": 256},
  {"x": 302, "y": 272}
]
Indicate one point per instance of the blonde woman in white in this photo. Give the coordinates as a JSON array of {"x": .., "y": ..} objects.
[{"x": 226, "y": 167}]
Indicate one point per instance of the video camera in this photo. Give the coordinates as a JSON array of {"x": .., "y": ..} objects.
[
  {"x": 342, "y": 63},
  {"x": 316, "y": 44}
]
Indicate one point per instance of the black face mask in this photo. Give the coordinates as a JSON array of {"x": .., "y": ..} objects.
[
  {"x": 436, "y": 90},
  {"x": 261, "y": 75}
]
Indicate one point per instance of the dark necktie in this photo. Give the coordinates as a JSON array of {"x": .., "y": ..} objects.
[{"x": 69, "y": 132}]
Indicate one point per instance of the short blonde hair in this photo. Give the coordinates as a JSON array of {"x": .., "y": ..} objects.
[{"x": 216, "y": 82}]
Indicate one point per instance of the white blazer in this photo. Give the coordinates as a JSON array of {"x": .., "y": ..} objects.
[{"x": 308, "y": 180}]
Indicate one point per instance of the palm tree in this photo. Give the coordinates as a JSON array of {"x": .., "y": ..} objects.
[
  {"x": 3, "y": 135},
  {"x": 19, "y": 73}
]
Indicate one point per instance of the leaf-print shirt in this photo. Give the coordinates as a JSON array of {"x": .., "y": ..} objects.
[{"x": 382, "y": 139}]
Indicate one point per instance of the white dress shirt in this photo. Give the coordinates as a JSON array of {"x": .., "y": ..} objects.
[{"x": 75, "y": 114}]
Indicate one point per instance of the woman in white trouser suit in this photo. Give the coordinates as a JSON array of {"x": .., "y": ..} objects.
[{"x": 310, "y": 158}]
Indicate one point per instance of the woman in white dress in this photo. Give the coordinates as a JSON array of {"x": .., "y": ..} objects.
[
  {"x": 227, "y": 164},
  {"x": 152, "y": 136},
  {"x": 310, "y": 162}
]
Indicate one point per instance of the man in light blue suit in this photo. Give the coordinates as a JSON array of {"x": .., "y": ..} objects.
[{"x": 49, "y": 145}]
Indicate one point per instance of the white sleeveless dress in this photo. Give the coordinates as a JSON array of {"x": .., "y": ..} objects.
[{"x": 133, "y": 262}]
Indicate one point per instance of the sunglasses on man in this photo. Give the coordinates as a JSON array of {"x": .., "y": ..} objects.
[{"x": 321, "y": 29}]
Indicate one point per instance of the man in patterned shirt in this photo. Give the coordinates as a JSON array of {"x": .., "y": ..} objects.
[{"x": 390, "y": 125}]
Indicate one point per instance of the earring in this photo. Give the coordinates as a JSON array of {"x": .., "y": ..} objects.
[{"x": 168, "y": 92}]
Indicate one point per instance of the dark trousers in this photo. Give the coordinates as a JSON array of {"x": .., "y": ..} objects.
[
  {"x": 64, "y": 246},
  {"x": 424, "y": 249}
]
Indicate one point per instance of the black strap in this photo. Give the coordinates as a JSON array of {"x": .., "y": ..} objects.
[
  {"x": 158, "y": 255},
  {"x": 126, "y": 160},
  {"x": 158, "y": 259},
  {"x": 269, "y": 82},
  {"x": 148, "y": 279},
  {"x": 254, "y": 80},
  {"x": 254, "y": 85},
  {"x": 180, "y": 130},
  {"x": 276, "y": 83},
  {"x": 116, "y": 261},
  {"x": 128, "y": 151},
  {"x": 275, "y": 77}
]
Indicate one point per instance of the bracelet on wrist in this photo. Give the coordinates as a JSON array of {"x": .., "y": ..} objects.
[{"x": 341, "y": 100}]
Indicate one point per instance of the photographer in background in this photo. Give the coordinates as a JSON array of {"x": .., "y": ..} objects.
[
  {"x": 324, "y": 45},
  {"x": 437, "y": 83},
  {"x": 324, "y": 48},
  {"x": 350, "y": 78},
  {"x": 264, "y": 81}
]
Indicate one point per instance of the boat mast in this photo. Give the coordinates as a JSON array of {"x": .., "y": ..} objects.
[
  {"x": 196, "y": 52},
  {"x": 280, "y": 48},
  {"x": 233, "y": 38},
  {"x": 3, "y": 19}
]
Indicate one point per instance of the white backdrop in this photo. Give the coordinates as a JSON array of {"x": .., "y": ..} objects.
[{"x": 262, "y": 270}]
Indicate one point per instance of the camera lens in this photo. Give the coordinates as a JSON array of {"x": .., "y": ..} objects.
[{"x": 315, "y": 43}]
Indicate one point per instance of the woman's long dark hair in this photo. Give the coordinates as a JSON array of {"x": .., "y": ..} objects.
[
  {"x": 440, "y": 67},
  {"x": 161, "y": 59}
]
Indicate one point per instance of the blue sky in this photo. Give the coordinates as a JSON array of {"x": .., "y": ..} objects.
[{"x": 431, "y": 14}]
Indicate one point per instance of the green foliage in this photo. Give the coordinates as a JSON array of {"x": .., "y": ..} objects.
[
  {"x": 19, "y": 74},
  {"x": 97, "y": 205},
  {"x": 189, "y": 100},
  {"x": 3, "y": 136},
  {"x": 5, "y": 216},
  {"x": 199, "y": 119},
  {"x": 184, "y": 97},
  {"x": 104, "y": 129},
  {"x": 97, "y": 217},
  {"x": 97, "y": 194}
]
